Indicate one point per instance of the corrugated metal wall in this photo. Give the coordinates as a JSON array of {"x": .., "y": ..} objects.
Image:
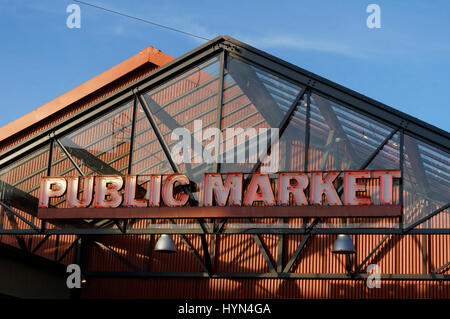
[
  {"x": 159, "y": 288},
  {"x": 240, "y": 253}
]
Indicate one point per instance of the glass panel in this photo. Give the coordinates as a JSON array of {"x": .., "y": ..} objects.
[
  {"x": 341, "y": 139},
  {"x": 292, "y": 142},
  {"x": 441, "y": 220},
  {"x": 189, "y": 101},
  {"x": 148, "y": 156},
  {"x": 19, "y": 188},
  {"x": 426, "y": 181},
  {"x": 389, "y": 155},
  {"x": 103, "y": 145},
  {"x": 62, "y": 166},
  {"x": 253, "y": 99},
  {"x": 25, "y": 174}
]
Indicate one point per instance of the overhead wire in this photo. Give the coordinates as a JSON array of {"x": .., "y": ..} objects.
[{"x": 143, "y": 20}]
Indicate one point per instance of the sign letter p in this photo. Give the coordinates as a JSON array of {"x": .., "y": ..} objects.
[{"x": 51, "y": 187}]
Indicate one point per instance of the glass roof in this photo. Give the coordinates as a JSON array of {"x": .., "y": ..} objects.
[{"x": 326, "y": 134}]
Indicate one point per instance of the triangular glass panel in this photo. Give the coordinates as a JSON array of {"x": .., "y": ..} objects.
[
  {"x": 148, "y": 156},
  {"x": 290, "y": 155},
  {"x": 389, "y": 156},
  {"x": 252, "y": 99},
  {"x": 439, "y": 221},
  {"x": 26, "y": 174},
  {"x": 292, "y": 141},
  {"x": 20, "y": 180},
  {"x": 426, "y": 180},
  {"x": 62, "y": 165},
  {"x": 189, "y": 102},
  {"x": 340, "y": 138},
  {"x": 103, "y": 145}
]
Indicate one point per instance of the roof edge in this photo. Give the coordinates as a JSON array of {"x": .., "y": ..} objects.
[
  {"x": 148, "y": 55},
  {"x": 377, "y": 104}
]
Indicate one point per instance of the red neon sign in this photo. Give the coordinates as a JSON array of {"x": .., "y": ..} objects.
[{"x": 283, "y": 189}]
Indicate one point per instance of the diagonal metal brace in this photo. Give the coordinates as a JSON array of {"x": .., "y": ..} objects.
[
  {"x": 438, "y": 270},
  {"x": 118, "y": 256},
  {"x": 11, "y": 211},
  {"x": 191, "y": 249},
  {"x": 302, "y": 244},
  {"x": 262, "y": 249}
]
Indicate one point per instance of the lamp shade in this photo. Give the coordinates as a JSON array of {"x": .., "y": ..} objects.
[
  {"x": 343, "y": 245},
  {"x": 165, "y": 244}
]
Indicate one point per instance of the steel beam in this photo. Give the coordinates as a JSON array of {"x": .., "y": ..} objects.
[
  {"x": 379, "y": 148},
  {"x": 10, "y": 212},
  {"x": 145, "y": 106},
  {"x": 389, "y": 211},
  {"x": 117, "y": 255},
  {"x": 361, "y": 265},
  {"x": 280, "y": 250},
  {"x": 19, "y": 199},
  {"x": 67, "y": 153},
  {"x": 220, "y": 104},
  {"x": 264, "y": 252},
  {"x": 308, "y": 130},
  {"x": 89, "y": 159},
  {"x": 307, "y": 276},
  {"x": 442, "y": 268},
  {"x": 228, "y": 231},
  {"x": 300, "y": 245},
  {"x": 14, "y": 224},
  {"x": 192, "y": 250},
  {"x": 424, "y": 219},
  {"x": 40, "y": 243},
  {"x": 206, "y": 254},
  {"x": 132, "y": 138},
  {"x": 64, "y": 254}
]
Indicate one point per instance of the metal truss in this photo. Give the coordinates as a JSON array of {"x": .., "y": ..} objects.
[{"x": 136, "y": 93}]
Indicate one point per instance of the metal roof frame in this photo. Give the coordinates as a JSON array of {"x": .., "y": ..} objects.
[
  {"x": 341, "y": 94},
  {"x": 310, "y": 83},
  {"x": 240, "y": 50},
  {"x": 217, "y": 47}
]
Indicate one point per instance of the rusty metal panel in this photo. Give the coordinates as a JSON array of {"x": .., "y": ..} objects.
[
  {"x": 239, "y": 253},
  {"x": 159, "y": 288}
]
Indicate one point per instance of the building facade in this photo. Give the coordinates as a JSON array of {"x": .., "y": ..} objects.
[{"x": 121, "y": 123}]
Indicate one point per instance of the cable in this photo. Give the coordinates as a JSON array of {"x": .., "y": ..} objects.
[{"x": 143, "y": 20}]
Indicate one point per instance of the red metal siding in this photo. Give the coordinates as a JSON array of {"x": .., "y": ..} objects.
[{"x": 159, "y": 288}]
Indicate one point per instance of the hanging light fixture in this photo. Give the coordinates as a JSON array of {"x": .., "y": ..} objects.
[
  {"x": 343, "y": 245},
  {"x": 165, "y": 244}
]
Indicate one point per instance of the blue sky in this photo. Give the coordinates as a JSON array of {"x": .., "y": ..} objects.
[{"x": 404, "y": 64}]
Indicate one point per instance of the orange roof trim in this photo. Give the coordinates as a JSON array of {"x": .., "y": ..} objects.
[{"x": 148, "y": 55}]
